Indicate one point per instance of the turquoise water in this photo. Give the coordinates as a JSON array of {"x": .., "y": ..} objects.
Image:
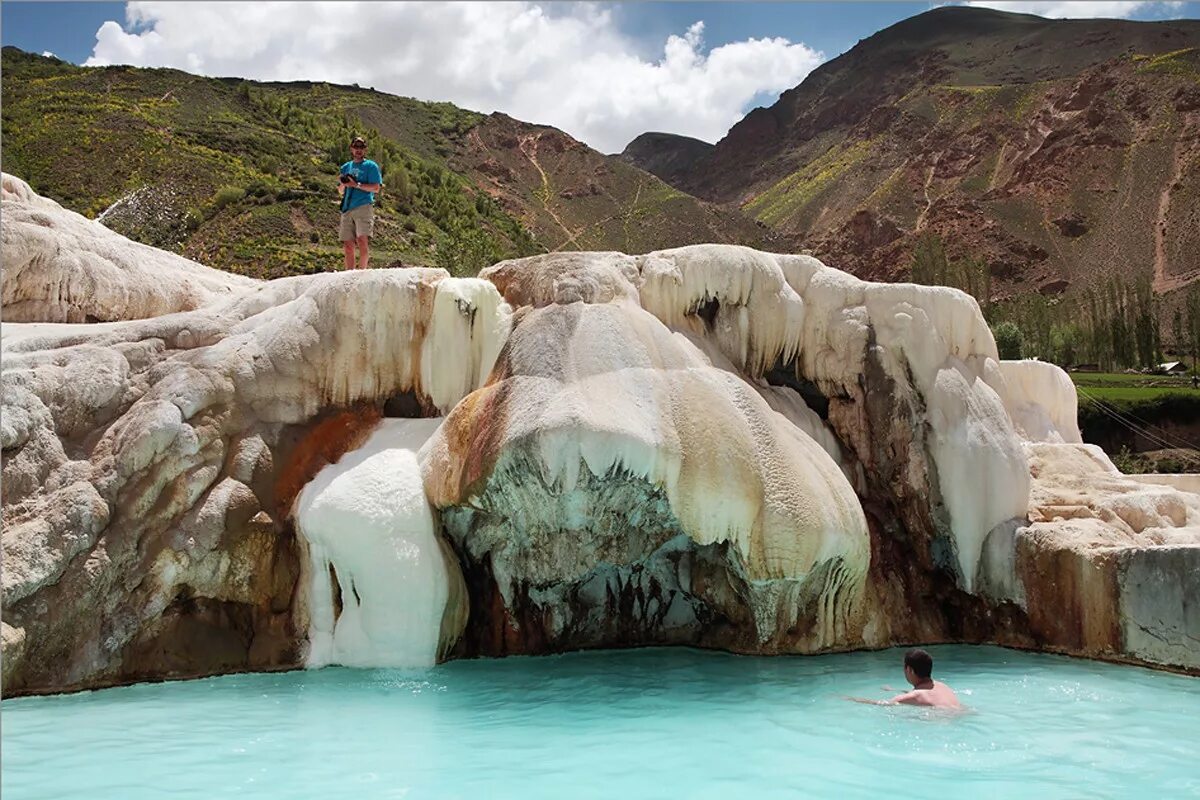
[{"x": 629, "y": 724}]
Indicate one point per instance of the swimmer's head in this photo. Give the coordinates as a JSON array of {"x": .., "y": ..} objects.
[{"x": 918, "y": 666}]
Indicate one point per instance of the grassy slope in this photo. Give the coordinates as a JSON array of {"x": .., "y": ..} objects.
[
  {"x": 242, "y": 175},
  {"x": 1122, "y": 389},
  {"x": 180, "y": 149},
  {"x": 574, "y": 198}
]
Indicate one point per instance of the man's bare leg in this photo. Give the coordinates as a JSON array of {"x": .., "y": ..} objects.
[
  {"x": 364, "y": 247},
  {"x": 348, "y": 251}
]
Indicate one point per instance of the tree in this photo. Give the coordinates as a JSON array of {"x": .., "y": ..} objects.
[
  {"x": 972, "y": 276},
  {"x": 1177, "y": 332},
  {"x": 1145, "y": 324},
  {"x": 1009, "y": 340},
  {"x": 929, "y": 266},
  {"x": 1064, "y": 344},
  {"x": 1192, "y": 321}
]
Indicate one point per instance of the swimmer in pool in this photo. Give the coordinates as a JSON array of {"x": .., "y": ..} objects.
[{"x": 918, "y": 671}]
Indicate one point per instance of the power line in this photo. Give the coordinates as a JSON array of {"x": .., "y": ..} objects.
[
  {"x": 1116, "y": 415},
  {"x": 1136, "y": 430},
  {"x": 1166, "y": 440}
]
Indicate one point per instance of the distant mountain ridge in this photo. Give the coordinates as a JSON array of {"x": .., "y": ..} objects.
[
  {"x": 668, "y": 155},
  {"x": 241, "y": 175},
  {"x": 1055, "y": 150}
]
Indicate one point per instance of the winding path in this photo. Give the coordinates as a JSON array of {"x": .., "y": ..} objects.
[
  {"x": 1162, "y": 281},
  {"x": 529, "y": 145}
]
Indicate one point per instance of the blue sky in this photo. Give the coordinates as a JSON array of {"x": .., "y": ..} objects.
[
  {"x": 66, "y": 29},
  {"x": 69, "y": 29},
  {"x": 603, "y": 72}
]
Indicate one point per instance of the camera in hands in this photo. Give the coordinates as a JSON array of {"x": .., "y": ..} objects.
[{"x": 346, "y": 179}]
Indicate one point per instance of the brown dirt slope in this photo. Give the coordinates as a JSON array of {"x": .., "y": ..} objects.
[{"x": 574, "y": 198}]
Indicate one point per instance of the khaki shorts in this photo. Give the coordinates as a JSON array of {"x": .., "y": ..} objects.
[{"x": 358, "y": 221}]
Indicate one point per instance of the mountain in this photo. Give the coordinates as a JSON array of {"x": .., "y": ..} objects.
[
  {"x": 241, "y": 175},
  {"x": 574, "y": 198},
  {"x": 1054, "y": 151},
  {"x": 667, "y": 155}
]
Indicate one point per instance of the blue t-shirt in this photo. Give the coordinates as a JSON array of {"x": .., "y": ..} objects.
[{"x": 365, "y": 172}]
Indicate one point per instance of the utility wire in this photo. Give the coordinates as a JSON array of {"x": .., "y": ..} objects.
[
  {"x": 1163, "y": 437},
  {"x": 1118, "y": 417},
  {"x": 1136, "y": 430},
  {"x": 1161, "y": 429},
  {"x": 1166, "y": 440}
]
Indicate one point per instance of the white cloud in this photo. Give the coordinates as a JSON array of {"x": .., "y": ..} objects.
[
  {"x": 1060, "y": 9},
  {"x": 48, "y": 54},
  {"x": 567, "y": 66}
]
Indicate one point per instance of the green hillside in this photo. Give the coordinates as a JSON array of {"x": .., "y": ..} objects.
[{"x": 241, "y": 175}]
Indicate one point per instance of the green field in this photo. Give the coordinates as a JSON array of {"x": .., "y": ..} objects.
[
  {"x": 1126, "y": 389},
  {"x": 1114, "y": 409},
  {"x": 1130, "y": 394}
]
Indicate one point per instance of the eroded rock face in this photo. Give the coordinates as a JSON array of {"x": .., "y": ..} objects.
[
  {"x": 607, "y": 449},
  {"x": 1110, "y": 566},
  {"x": 904, "y": 376},
  {"x": 711, "y": 446},
  {"x": 151, "y": 466}
]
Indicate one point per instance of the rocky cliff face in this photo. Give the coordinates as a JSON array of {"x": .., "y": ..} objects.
[
  {"x": 1057, "y": 151},
  {"x": 710, "y": 445},
  {"x": 667, "y": 155}
]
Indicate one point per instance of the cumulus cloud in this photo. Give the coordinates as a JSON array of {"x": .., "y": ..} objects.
[
  {"x": 567, "y": 66},
  {"x": 1060, "y": 9}
]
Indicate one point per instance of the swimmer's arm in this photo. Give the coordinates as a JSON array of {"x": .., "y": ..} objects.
[
  {"x": 870, "y": 702},
  {"x": 912, "y": 698}
]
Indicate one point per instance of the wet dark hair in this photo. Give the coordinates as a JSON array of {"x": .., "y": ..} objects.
[{"x": 920, "y": 662}]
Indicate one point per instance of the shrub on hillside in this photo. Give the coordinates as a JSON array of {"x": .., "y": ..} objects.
[
  {"x": 193, "y": 218},
  {"x": 228, "y": 194},
  {"x": 1009, "y": 340}
]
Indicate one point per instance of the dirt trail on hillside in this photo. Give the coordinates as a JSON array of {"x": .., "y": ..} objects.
[
  {"x": 920, "y": 224},
  {"x": 529, "y": 146},
  {"x": 1162, "y": 281}
]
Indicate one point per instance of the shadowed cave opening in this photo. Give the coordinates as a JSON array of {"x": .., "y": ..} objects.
[
  {"x": 335, "y": 589},
  {"x": 785, "y": 374},
  {"x": 406, "y": 405},
  {"x": 707, "y": 310}
]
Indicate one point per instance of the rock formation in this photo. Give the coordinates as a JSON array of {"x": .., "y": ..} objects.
[
  {"x": 59, "y": 266},
  {"x": 710, "y": 445}
]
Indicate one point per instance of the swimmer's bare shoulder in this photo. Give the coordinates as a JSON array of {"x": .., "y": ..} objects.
[{"x": 939, "y": 696}]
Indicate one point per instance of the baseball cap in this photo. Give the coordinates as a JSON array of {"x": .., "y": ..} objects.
[{"x": 358, "y": 140}]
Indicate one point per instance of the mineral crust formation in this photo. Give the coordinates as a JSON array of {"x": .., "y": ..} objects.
[{"x": 709, "y": 446}]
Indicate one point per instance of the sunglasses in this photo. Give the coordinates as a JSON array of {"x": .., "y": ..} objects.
[{"x": 358, "y": 147}]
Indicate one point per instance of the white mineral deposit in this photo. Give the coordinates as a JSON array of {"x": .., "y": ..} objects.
[{"x": 572, "y": 450}]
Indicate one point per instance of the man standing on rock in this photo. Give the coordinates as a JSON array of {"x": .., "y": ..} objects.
[{"x": 358, "y": 181}]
